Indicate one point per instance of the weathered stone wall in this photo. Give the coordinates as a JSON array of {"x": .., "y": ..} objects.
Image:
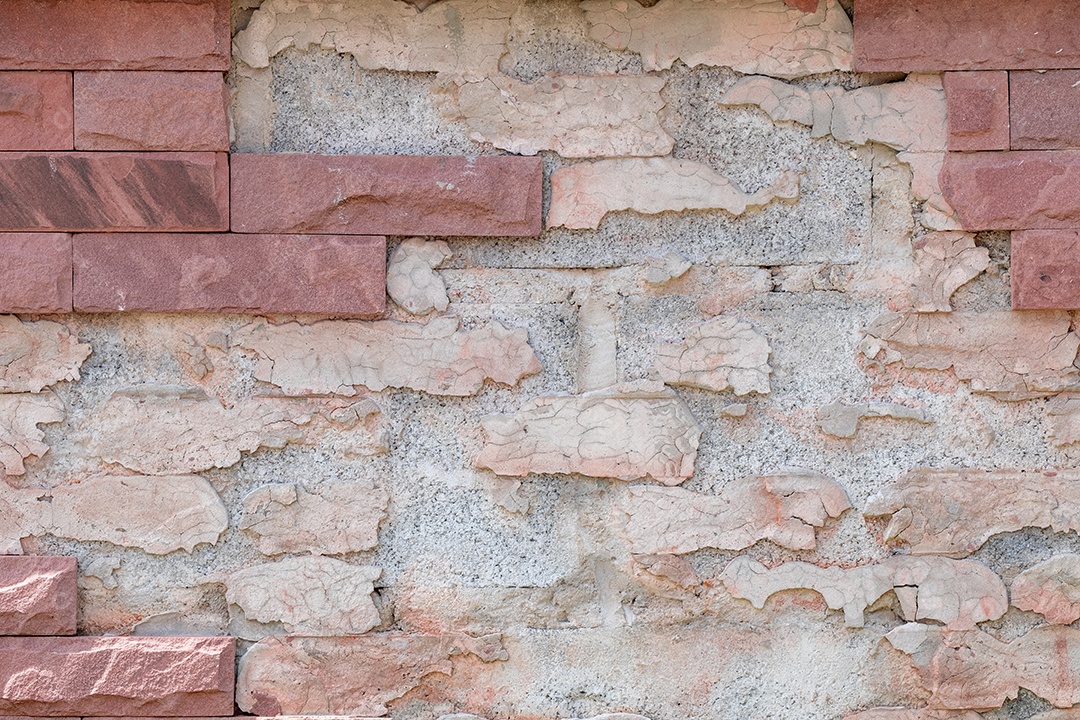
[{"x": 749, "y": 430}]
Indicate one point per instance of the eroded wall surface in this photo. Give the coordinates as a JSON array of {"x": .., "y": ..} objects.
[{"x": 749, "y": 430}]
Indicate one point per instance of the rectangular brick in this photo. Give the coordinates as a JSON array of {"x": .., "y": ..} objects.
[
  {"x": 35, "y": 111},
  {"x": 1045, "y": 269},
  {"x": 978, "y": 110},
  {"x": 931, "y": 35},
  {"x": 114, "y": 191},
  {"x": 35, "y": 273},
  {"x": 151, "y": 110},
  {"x": 324, "y": 274},
  {"x": 38, "y": 595},
  {"x": 387, "y": 195},
  {"x": 1045, "y": 109},
  {"x": 114, "y": 35},
  {"x": 117, "y": 676},
  {"x": 1016, "y": 190}
]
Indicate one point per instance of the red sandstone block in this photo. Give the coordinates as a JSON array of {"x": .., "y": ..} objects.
[
  {"x": 324, "y": 274},
  {"x": 934, "y": 35},
  {"x": 387, "y": 195},
  {"x": 978, "y": 110},
  {"x": 150, "y": 111},
  {"x": 114, "y": 35},
  {"x": 1017, "y": 190},
  {"x": 35, "y": 110},
  {"x": 114, "y": 191},
  {"x": 35, "y": 273},
  {"x": 117, "y": 676},
  {"x": 1045, "y": 270},
  {"x": 38, "y": 595},
  {"x": 1045, "y": 109}
]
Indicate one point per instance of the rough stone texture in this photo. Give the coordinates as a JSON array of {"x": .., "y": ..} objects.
[
  {"x": 116, "y": 192},
  {"x": 925, "y": 35},
  {"x": 386, "y": 195},
  {"x": 785, "y": 509},
  {"x": 312, "y": 596},
  {"x": 35, "y": 111},
  {"x": 969, "y": 669},
  {"x": 411, "y": 280},
  {"x": 1043, "y": 269},
  {"x": 459, "y": 37},
  {"x": 716, "y": 355},
  {"x": 355, "y": 676},
  {"x": 908, "y": 115},
  {"x": 840, "y": 420},
  {"x": 37, "y": 273},
  {"x": 20, "y": 437},
  {"x": 251, "y": 108},
  {"x": 625, "y": 432},
  {"x": 437, "y": 358},
  {"x": 953, "y": 512},
  {"x": 165, "y": 430},
  {"x": 155, "y": 514},
  {"x": 959, "y": 593},
  {"x": 1017, "y": 190},
  {"x": 582, "y": 194},
  {"x": 322, "y": 274},
  {"x": 1050, "y": 588},
  {"x": 38, "y": 595},
  {"x": 171, "y": 676},
  {"x": 1063, "y": 419},
  {"x": 577, "y": 117},
  {"x": 978, "y": 110},
  {"x": 150, "y": 111},
  {"x": 108, "y": 35},
  {"x": 326, "y": 520},
  {"x": 35, "y": 355},
  {"x": 944, "y": 261},
  {"x": 897, "y": 713},
  {"x": 763, "y": 37},
  {"x": 1002, "y": 354},
  {"x": 1043, "y": 109}
]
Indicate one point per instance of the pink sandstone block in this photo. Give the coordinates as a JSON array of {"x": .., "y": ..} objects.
[
  {"x": 1045, "y": 109},
  {"x": 114, "y": 35},
  {"x": 35, "y": 273},
  {"x": 35, "y": 110},
  {"x": 978, "y": 110},
  {"x": 117, "y": 676},
  {"x": 804, "y": 5},
  {"x": 38, "y": 595},
  {"x": 151, "y": 110},
  {"x": 932, "y": 35},
  {"x": 1045, "y": 270},
  {"x": 116, "y": 192},
  {"x": 324, "y": 274},
  {"x": 1016, "y": 190},
  {"x": 387, "y": 195}
]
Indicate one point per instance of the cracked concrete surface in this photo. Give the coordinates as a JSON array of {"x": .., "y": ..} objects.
[
  {"x": 959, "y": 593},
  {"x": 36, "y": 355},
  {"x": 20, "y": 436},
  {"x": 582, "y": 194},
  {"x": 716, "y": 355}
]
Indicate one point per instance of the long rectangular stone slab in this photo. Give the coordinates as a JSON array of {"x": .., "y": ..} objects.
[
  {"x": 1044, "y": 271},
  {"x": 115, "y": 192},
  {"x": 117, "y": 676},
  {"x": 35, "y": 110},
  {"x": 387, "y": 195},
  {"x": 114, "y": 35},
  {"x": 38, "y": 595},
  {"x": 35, "y": 273},
  {"x": 324, "y": 274},
  {"x": 931, "y": 35},
  {"x": 118, "y": 110},
  {"x": 1016, "y": 190}
]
